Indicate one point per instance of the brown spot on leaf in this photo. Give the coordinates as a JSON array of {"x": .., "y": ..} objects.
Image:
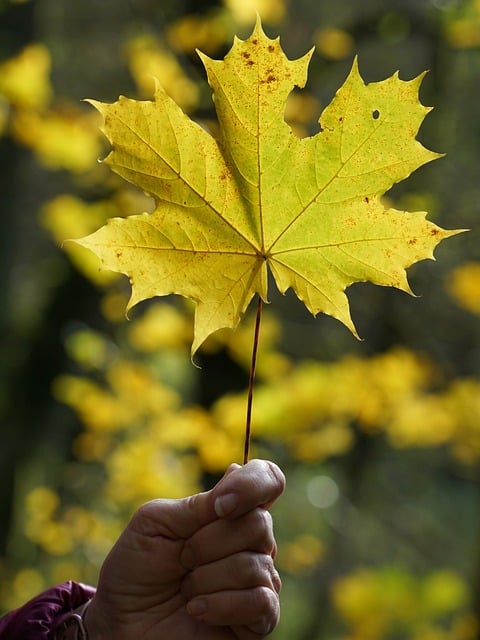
[
  {"x": 412, "y": 241},
  {"x": 340, "y": 119},
  {"x": 271, "y": 48},
  {"x": 246, "y": 55},
  {"x": 119, "y": 254},
  {"x": 367, "y": 199},
  {"x": 255, "y": 41}
]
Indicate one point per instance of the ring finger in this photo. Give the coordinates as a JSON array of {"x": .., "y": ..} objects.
[{"x": 240, "y": 571}]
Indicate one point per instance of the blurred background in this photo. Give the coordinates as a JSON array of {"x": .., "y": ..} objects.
[{"x": 379, "y": 530}]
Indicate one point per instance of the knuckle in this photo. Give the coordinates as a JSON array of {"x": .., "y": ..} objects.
[
  {"x": 259, "y": 569},
  {"x": 268, "y": 610},
  {"x": 262, "y": 520},
  {"x": 267, "y": 600},
  {"x": 252, "y": 567},
  {"x": 262, "y": 524},
  {"x": 276, "y": 581}
]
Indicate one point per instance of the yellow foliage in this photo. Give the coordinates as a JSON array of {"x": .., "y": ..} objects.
[
  {"x": 463, "y": 285},
  {"x": 271, "y": 363},
  {"x": 64, "y": 138},
  {"x": 424, "y": 420},
  {"x": 90, "y": 349},
  {"x": 180, "y": 430},
  {"x": 331, "y": 439},
  {"x": 128, "y": 199},
  {"x": 26, "y": 584},
  {"x": 217, "y": 449},
  {"x": 54, "y": 537},
  {"x": 97, "y": 408},
  {"x": 333, "y": 43},
  {"x": 66, "y": 570},
  {"x": 301, "y": 554},
  {"x": 91, "y": 447},
  {"x": 68, "y": 217},
  {"x": 149, "y": 60},
  {"x": 113, "y": 305},
  {"x": 138, "y": 471},
  {"x": 302, "y": 108},
  {"x": 161, "y": 326},
  {"x": 311, "y": 406},
  {"x": 138, "y": 390},
  {"x": 191, "y": 32},
  {"x": 450, "y": 416},
  {"x": 464, "y": 33},
  {"x": 132, "y": 396},
  {"x": 41, "y": 503},
  {"x": 443, "y": 592},
  {"x": 462, "y": 26},
  {"x": 25, "y": 79},
  {"x": 67, "y": 531},
  {"x": 244, "y": 11},
  {"x": 377, "y": 603},
  {"x": 463, "y": 400},
  {"x": 41, "y": 506}
]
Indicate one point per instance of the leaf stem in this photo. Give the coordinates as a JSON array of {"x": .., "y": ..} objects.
[{"x": 251, "y": 381}]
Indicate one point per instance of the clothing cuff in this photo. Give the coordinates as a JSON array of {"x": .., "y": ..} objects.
[{"x": 37, "y": 619}]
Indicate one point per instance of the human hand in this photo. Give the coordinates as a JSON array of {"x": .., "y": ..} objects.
[{"x": 196, "y": 568}]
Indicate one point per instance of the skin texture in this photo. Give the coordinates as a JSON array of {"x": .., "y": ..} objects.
[{"x": 201, "y": 567}]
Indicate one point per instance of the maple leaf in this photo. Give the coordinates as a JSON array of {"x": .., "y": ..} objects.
[{"x": 260, "y": 198}]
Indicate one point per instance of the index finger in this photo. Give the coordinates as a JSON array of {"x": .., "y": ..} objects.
[{"x": 257, "y": 484}]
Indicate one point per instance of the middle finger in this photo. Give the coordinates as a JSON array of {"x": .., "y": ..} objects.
[{"x": 222, "y": 538}]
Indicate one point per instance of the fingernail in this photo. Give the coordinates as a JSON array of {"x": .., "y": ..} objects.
[
  {"x": 197, "y": 607},
  {"x": 225, "y": 505}
]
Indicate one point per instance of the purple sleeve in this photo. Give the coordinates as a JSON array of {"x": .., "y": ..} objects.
[{"x": 35, "y": 620}]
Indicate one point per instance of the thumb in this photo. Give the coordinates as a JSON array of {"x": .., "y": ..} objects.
[
  {"x": 242, "y": 489},
  {"x": 203, "y": 508},
  {"x": 257, "y": 484}
]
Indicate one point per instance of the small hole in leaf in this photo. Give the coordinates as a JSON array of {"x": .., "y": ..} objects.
[{"x": 376, "y": 114}]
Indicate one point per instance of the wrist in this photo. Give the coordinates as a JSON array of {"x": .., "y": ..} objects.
[
  {"x": 83, "y": 623},
  {"x": 73, "y": 625},
  {"x": 97, "y": 628}
]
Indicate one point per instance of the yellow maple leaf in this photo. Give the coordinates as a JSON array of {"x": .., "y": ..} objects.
[{"x": 260, "y": 198}]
